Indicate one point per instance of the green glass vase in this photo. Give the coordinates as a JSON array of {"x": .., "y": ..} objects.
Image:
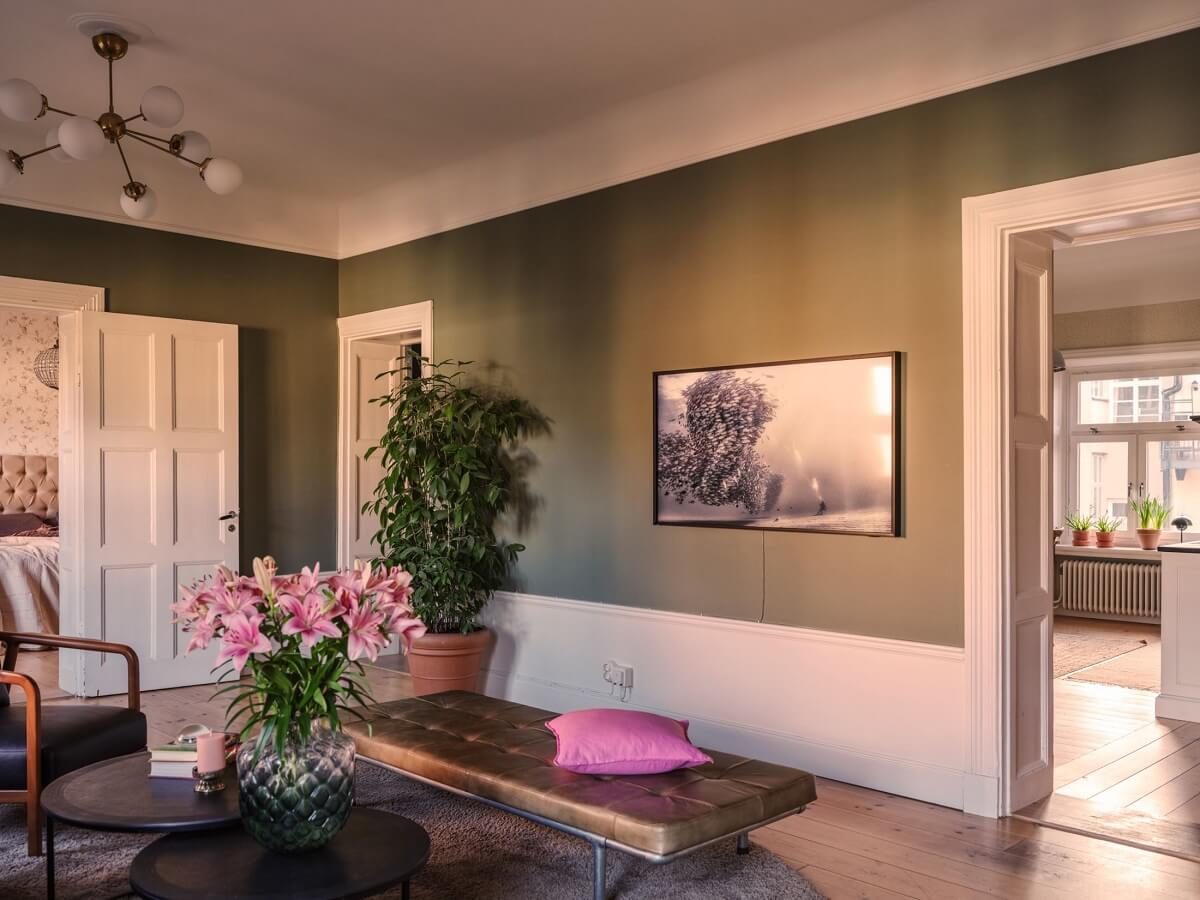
[{"x": 297, "y": 800}]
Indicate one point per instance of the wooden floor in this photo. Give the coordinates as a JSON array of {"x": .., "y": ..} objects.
[
  {"x": 1119, "y": 771},
  {"x": 853, "y": 842}
]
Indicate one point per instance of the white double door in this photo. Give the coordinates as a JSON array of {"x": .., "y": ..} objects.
[{"x": 156, "y": 440}]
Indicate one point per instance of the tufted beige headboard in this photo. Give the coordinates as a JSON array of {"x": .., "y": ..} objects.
[{"x": 29, "y": 484}]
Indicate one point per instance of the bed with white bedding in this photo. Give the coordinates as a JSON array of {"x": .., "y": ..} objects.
[{"x": 29, "y": 595}]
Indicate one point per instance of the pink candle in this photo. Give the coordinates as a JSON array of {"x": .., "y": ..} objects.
[{"x": 210, "y": 753}]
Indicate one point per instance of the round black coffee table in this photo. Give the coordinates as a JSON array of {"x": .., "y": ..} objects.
[
  {"x": 375, "y": 851},
  {"x": 119, "y": 795}
]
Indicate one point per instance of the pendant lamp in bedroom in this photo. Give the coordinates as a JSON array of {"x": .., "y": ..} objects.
[{"x": 45, "y": 366}]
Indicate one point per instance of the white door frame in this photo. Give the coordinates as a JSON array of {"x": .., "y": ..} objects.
[
  {"x": 66, "y": 300},
  {"x": 380, "y": 323},
  {"x": 988, "y": 222}
]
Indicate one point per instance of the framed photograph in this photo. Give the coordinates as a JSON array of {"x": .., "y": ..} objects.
[{"x": 803, "y": 445}]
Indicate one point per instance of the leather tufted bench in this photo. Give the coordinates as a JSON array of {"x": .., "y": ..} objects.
[{"x": 502, "y": 753}]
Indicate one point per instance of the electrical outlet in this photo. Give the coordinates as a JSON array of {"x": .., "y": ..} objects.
[{"x": 619, "y": 676}]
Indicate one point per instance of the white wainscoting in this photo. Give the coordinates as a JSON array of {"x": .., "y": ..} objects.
[{"x": 884, "y": 714}]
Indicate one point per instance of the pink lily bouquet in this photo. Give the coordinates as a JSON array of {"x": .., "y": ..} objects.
[{"x": 300, "y": 639}]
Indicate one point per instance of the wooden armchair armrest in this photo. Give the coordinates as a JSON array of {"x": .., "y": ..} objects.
[
  {"x": 14, "y": 639},
  {"x": 33, "y": 725}
]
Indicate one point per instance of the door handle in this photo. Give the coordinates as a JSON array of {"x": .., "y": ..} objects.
[{"x": 232, "y": 514}]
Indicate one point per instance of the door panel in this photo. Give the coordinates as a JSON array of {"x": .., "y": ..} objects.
[
  {"x": 370, "y": 359},
  {"x": 1030, "y": 750},
  {"x": 159, "y": 444}
]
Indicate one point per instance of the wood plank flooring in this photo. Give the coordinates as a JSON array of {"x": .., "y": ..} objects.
[
  {"x": 857, "y": 843},
  {"x": 1119, "y": 771}
]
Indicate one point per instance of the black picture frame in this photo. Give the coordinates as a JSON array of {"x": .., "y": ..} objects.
[{"x": 896, "y": 471}]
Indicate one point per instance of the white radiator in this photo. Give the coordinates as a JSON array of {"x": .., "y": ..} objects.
[{"x": 1109, "y": 587}]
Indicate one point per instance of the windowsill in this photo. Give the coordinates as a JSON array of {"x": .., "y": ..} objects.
[{"x": 1120, "y": 552}]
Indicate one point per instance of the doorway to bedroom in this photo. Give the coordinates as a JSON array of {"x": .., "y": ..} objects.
[
  {"x": 37, "y": 400},
  {"x": 29, "y": 481},
  {"x": 147, "y": 488}
]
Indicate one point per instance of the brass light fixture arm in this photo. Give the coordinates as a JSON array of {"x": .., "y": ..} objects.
[
  {"x": 149, "y": 137},
  {"x": 25, "y": 156},
  {"x": 137, "y": 136},
  {"x": 124, "y": 161}
]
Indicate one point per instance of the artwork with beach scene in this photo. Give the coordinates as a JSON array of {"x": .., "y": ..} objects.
[{"x": 808, "y": 445}]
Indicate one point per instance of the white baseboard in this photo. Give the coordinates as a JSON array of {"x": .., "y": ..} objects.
[
  {"x": 884, "y": 714},
  {"x": 1169, "y": 706}
]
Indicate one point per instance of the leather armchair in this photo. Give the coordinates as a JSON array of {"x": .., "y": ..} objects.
[{"x": 68, "y": 735}]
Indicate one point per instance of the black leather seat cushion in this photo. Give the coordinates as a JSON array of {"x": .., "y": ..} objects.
[{"x": 73, "y": 736}]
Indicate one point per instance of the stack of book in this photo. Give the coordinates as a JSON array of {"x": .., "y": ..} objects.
[{"x": 177, "y": 760}]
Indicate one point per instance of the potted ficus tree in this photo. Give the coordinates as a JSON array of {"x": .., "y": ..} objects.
[
  {"x": 1151, "y": 516},
  {"x": 448, "y": 476},
  {"x": 1081, "y": 528}
]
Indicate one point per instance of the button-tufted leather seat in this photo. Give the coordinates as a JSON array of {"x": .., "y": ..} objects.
[{"x": 503, "y": 752}]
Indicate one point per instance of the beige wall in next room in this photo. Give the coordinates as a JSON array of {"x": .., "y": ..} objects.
[
  {"x": 1160, "y": 323},
  {"x": 28, "y": 409}
]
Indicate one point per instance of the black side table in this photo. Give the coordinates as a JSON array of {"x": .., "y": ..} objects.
[
  {"x": 375, "y": 851},
  {"x": 119, "y": 795}
]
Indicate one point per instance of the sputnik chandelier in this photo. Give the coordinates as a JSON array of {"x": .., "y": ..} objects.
[{"x": 79, "y": 137}]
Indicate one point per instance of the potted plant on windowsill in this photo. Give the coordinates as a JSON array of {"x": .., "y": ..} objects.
[
  {"x": 1106, "y": 531},
  {"x": 1151, "y": 516},
  {"x": 1081, "y": 528},
  {"x": 448, "y": 475}
]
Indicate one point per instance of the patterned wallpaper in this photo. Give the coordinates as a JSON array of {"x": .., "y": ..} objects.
[{"x": 28, "y": 409}]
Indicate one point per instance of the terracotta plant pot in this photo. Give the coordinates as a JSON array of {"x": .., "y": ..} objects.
[
  {"x": 1106, "y": 538},
  {"x": 447, "y": 662},
  {"x": 1081, "y": 538},
  {"x": 1149, "y": 538}
]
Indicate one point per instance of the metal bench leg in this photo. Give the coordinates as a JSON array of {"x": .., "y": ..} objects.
[
  {"x": 743, "y": 843},
  {"x": 598, "y": 879}
]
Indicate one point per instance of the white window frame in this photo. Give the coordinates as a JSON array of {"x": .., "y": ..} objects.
[{"x": 1111, "y": 364}]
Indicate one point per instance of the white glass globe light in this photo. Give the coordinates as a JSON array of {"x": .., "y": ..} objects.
[
  {"x": 141, "y": 208},
  {"x": 223, "y": 176},
  {"x": 52, "y": 139},
  {"x": 194, "y": 146},
  {"x": 8, "y": 172},
  {"x": 20, "y": 100},
  {"x": 81, "y": 138},
  {"x": 162, "y": 106}
]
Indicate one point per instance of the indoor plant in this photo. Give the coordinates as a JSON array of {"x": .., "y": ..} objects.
[
  {"x": 1151, "y": 516},
  {"x": 1081, "y": 528},
  {"x": 293, "y": 646},
  {"x": 451, "y": 469},
  {"x": 1106, "y": 530}
]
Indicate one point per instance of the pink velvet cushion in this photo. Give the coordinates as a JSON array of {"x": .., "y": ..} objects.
[{"x": 622, "y": 742}]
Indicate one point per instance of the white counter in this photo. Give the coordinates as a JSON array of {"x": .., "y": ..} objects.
[{"x": 1180, "y": 697}]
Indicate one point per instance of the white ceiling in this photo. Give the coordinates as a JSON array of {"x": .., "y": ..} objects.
[
  {"x": 1137, "y": 271},
  {"x": 361, "y": 124}
]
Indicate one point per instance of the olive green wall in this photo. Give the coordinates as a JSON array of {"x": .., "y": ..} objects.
[
  {"x": 846, "y": 240},
  {"x": 1156, "y": 323},
  {"x": 285, "y": 306}
]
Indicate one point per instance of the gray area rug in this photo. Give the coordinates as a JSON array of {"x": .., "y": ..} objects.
[{"x": 478, "y": 853}]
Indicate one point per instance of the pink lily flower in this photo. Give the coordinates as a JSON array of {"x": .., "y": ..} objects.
[
  {"x": 309, "y": 618},
  {"x": 241, "y": 599},
  {"x": 348, "y": 584},
  {"x": 364, "y": 633},
  {"x": 241, "y": 639},
  {"x": 202, "y": 631},
  {"x": 406, "y": 627}
]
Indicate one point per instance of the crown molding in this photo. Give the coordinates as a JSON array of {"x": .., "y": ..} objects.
[
  {"x": 173, "y": 228},
  {"x": 731, "y": 111}
]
